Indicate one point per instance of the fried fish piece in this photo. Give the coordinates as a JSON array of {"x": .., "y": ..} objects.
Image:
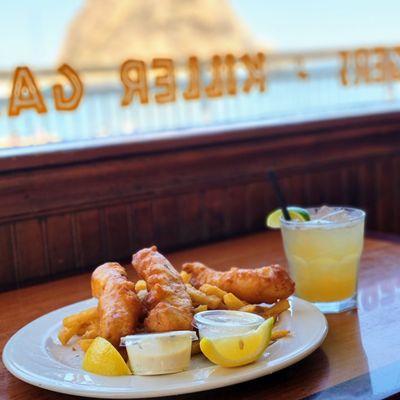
[
  {"x": 262, "y": 285},
  {"x": 168, "y": 303},
  {"x": 119, "y": 307},
  {"x": 102, "y": 274}
]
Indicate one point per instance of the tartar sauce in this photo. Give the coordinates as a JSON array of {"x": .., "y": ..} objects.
[
  {"x": 216, "y": 323},
  {"x": 159, "y": 353}
]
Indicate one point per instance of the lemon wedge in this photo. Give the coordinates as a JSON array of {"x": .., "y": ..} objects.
[
  {"x": 235, "y": 351},
  {"x": 102, "y": 358}
]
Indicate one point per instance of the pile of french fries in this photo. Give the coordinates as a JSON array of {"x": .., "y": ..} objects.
[
  {"x": 207, "y": 297},
  {"x": 84, "y": 324}
]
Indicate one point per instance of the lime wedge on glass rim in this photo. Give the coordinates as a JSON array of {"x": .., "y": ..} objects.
[{"x": 273, "y": 219}]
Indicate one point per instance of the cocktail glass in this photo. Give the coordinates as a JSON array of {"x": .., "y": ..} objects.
[{"x": 324, "y": 255}]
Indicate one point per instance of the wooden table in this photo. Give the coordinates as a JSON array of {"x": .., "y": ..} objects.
[{"x": 360, "y": 356}]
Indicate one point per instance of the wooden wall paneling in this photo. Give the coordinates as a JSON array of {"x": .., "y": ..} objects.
[
  {"x": 331, "y": 186},
  {"x": 31, "y": 248},
  {"x": 117, "y": 232},
  {"x": 236, "y": 210},
  {"x": 142, "y": 224},
  {"x": 190, "y": 218},
  {"x": 258, "y": 202},
  {"x": 371, "y": 182},
  {"x": 385, "y": 195},
  {"x": 368, "y": 193},
  {"x": 315, "y": 193},
  {"x": 8, "y": 273},
  {"x": 215, "y": 214},
  {"x": 91, "y": 241},
  {"x": 109, "y": 202},
  {"x": 295, "y": 189},
  {"x": 296, "y": 192},
  {"x": 324, "y": 186},
  {"x": 284, "y": 182},
  {"x": 271, "y": 201},
  {"x": 102, "y": 183},
  {"x": 165, "y": 216},
  {"x": 15, "y": 195},
  {"x": 98, "y": 193},
  {"x": 349, "y": 185},
  {"x": 353, "y": 184},
  {"x": 60, "y": 243},
  {"x": 129, "y": 222},
  {"x": 308, "y": 186}
]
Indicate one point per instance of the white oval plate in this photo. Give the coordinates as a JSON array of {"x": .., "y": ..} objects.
[{"x": 35, "y": 355}]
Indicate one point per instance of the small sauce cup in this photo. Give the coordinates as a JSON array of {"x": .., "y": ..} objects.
[
  {"x": 159, "y": 353},
  {"x": 219, "y": 323}
]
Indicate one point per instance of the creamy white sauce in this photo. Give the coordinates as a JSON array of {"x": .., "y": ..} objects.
[{"x": 156, "y": 354}]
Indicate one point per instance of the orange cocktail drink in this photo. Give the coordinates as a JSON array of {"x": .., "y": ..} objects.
[{"x": 324, "y": 254}]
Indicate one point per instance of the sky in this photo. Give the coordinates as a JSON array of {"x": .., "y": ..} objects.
[
  {"x": 32, "y": 32},
  {"x": 318, "y": 24}
]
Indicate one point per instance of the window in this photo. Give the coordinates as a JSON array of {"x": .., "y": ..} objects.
[{"x": 204, "y": 64}]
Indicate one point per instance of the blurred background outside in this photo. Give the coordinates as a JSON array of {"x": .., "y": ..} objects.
[{"x": 301, "y": 41}]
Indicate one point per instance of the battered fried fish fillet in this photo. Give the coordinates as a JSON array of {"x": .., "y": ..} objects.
[
  {"x": 168, "y": 303},
  {"x": 261, "y": 285},
  {"x": 119, "y": 307}
]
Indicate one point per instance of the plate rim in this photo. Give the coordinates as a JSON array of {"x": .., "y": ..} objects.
[{"x": 74, "y": 389}]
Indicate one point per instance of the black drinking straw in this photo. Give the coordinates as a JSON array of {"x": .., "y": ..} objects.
[{"x": 279, "y": 194}]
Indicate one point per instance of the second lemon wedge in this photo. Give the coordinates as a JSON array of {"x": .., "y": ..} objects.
[
  {"x": 235, "y": 351},
  {"x": 103, "y": 358}
]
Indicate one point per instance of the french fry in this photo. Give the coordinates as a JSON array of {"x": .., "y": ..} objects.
[
  {"x": 92, "y": 331},
  {"x": 185, "y": 276},
  {"x": 252, "y": 308},
  {"x": 267, "y": 311},
  {"x": 233, "y": 302},
  {"x": 212, "y": 290},
  {"x": 82, "y": 329},
  {"x": 256, "y": 308},
  {"x": 198, "y": 298},
  {"x": 80, "y": 318},
  {"x": 200, "y": 308},
  {"x": 82, "y": 324},
  {"x": 276, "y": 309},
  {"x": 85, "y": 343},
  {"x": 65, "y": 334},
  {"x": 140, "y": 285},
  {"x": 279, "y": 334}
]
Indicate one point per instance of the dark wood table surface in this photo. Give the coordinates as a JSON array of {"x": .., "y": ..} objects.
[{"x": 360, "y": 357}]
